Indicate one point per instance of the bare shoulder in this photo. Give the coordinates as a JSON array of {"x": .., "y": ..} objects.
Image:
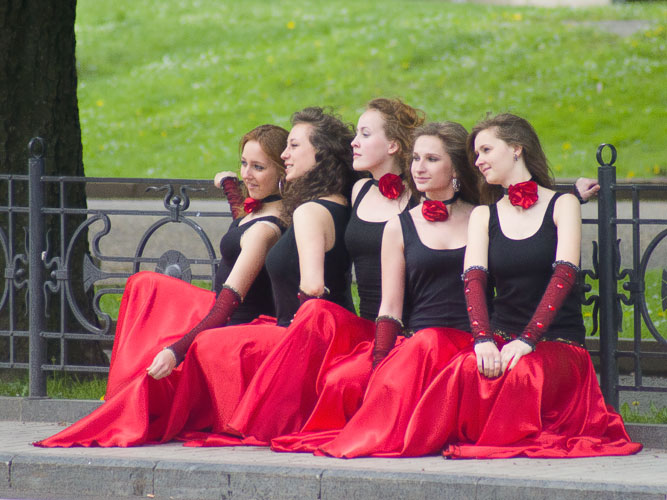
[
  {"x": 357, "y": 187},
  {"x": 480, "y": 215},
  {"x": 567, "y": 207},
  {"x": 262, "y": 233},
  {"x": 310, "y": 212}
]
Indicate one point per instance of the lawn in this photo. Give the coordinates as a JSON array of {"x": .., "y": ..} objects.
[{"x": 167, "y": 87}]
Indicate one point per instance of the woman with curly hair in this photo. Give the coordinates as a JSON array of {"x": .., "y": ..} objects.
[
  {"x": 160, "y": 316},
  {"x": 274, "y": 404},
  {"x": 309, "y": 261}
]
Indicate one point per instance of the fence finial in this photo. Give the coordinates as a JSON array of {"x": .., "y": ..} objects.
[
  {"x": 599, "y": 155},
  {"x": 37, "y": 147}
]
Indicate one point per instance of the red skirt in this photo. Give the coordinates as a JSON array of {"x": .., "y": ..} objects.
[
  {"x": 393, "y": 391},
  {"x": 548, "y": 406},
  {"x": 157, "y": 310},
  {"x": 290, "y": 382}
]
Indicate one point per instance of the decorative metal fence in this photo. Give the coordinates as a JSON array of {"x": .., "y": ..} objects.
[{"x": 37, "y": 273}]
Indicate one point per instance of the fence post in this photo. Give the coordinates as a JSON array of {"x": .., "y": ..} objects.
[
  {"x": 608, "y": 276},
  {"x": 37, "y": 150}
]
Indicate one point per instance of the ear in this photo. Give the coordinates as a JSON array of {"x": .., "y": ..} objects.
[
  {"x": 393, "y": 148},
  {"x": 517, "y": 150}
]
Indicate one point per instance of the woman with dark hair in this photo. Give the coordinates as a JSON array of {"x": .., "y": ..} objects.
[
  {"x": 528, "y": 387},
  {"x": 160, "y": 316},
  {"x": 309, "y": 261},
  {"x": 422, "y": 321},
  {"x": 286, "y": 388}
]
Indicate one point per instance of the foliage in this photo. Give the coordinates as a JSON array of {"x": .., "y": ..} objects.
[
  {"x": 167, "y": 87},
  {"x": 654, "y": 415},
  {"x": 58, "y": 385}
]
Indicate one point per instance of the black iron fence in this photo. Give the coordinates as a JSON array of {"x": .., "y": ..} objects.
[{"x": 38, "y": 259}]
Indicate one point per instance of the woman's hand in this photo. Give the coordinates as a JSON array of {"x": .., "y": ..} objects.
[
  {"x": 220, "y": 176},
  {"x": 587, "y": 188},
  {"x": 512, "y": 352},
  {"x": 163, "y": 364},
  {"x": 488, "y": 359}
]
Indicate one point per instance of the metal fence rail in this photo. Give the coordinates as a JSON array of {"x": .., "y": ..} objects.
[{"x": 38, "y": 272}]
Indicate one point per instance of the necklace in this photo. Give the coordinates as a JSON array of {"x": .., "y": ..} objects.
[
  {"x": 251, "y": 205},
  {"x": 436, "y": 210}
]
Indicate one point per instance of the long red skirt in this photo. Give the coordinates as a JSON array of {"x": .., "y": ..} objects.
[
  {"x": 157, "y": 310},
  {"x": 287, "y": 386},
  {"x": 548, "y": 406},
  {"x": 394, "y": 389}
]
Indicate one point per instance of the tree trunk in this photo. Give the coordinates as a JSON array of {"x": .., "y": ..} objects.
[{"x": 38, "y": 98}]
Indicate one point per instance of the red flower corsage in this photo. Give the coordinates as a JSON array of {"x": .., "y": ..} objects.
[
  {"x": 251, "y": 204},
  {"x": 434, "y": 211},
  {"x": 523, "y": 194},
  {"x": 391, "y": 186}
]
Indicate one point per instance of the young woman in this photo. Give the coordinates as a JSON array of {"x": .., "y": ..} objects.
[
  {"x": 528, "y": 388},
  {"x": 160, "y": 316},
  {"x": 285, "y": 389},
  {"x": 422, "y": 306},
  {"x": 309, "y": 261}
]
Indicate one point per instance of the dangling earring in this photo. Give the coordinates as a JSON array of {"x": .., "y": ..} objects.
[
  {"x": 281, "y": 186},
  {"x": 456, "y": 185},
  {"x": 516, "y": 157}
]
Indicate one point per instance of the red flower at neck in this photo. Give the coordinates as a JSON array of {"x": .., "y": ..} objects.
[
  {"x": 251, "y": 204},
  {"x": 523, "y": 194},
  {"x": 434, "y": 211},
  {"x": 391, "y": 186}
]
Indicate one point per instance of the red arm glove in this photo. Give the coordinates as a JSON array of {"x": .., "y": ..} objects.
[
  {"x": 304, "y": 297},
  {"x": 560, "y": 285},
  {"x": 225, "y": 305},
  {"x": 386, "y": 331},
  {"x": 231, "y": 188},
  {"x": 474, "y": 283}
]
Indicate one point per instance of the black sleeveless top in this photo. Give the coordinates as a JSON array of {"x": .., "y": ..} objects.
[
  {"x": 282, "y": 263},
  {"x": 258, "y": 300},
  {"x": 433, "y": 286},
  {"x": 363, "y": 240},
  {"x": 521, "y": 270}
]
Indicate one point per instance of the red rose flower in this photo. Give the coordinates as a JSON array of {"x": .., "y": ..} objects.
[
  {"x": 391, "y": 186},
  {"x": 251, "y": 204},
  {"x": 434, "y": 211},
  {"x": 523, "y": 194}
]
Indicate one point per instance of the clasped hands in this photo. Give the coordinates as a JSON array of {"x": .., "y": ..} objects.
[{"x": 492, "y": 362}]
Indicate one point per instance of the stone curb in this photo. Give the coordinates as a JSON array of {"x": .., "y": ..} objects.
[
  {"x": 87, "y": 477},
  {"x": 653, "y": 436}
]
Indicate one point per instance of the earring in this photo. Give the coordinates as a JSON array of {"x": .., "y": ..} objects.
[
  {"x": 516, "y": 157},
  {"x": 281, "y": 186},
  {"x": 456, "y": 185}
]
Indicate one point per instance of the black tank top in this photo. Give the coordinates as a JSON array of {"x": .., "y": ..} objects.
[
  {"x": 521, "y": 270},
  {"x": 258, "y": 300},
  {"x": 433, "y": 286},
  {"x": 282, "y": 263},
  {"x": 363, "y": 240}
]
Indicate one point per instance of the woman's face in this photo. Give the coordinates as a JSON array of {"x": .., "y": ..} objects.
[
  {"x": 370, "y": 146},
  {"x": 432, "y": 168},
  {"x": 260, "y": 175},
  {"x": 494, "y": 157},
  {"x": 299, "y": 155}
]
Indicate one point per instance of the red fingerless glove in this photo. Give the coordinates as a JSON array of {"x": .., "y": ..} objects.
[
  {"x": 474, "y": 285},
  {"x": 386, "y": 331},
  {"x": 560, "y": 285},
  {"x": 225, "y": 305},
  {"x": 304, "y": 297},
  {"x": 232, "y": 189}
]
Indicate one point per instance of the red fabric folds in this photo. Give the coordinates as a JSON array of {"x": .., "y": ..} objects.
[
  {"x": 392, "y": 392},
  {"x": 289, "y": 383},
  {"x": 548, "y": 406}
]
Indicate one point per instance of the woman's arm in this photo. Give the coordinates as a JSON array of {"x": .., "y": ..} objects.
[
  {"x": 229, "y": 183},
  {"x": 315, "y": 235},
  {"x": 476, "y": 264},
  {"x": 255, "y": 244},
  {"x": 389, "y": 321}
]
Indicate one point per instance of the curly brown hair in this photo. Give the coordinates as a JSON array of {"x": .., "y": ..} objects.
[
  {"x": 515, "y": 131},
  {"x": 453, "y": 137},
  {"x": 400, "y": 122},
  {"x": 272, "y": 139},
  {"x": 332, "y": 173}
]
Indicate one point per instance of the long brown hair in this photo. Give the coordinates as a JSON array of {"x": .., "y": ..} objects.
[
  {"x": 272, "y": 139},
  {"x": 332, "y": 173},
  {"x": 453, "y": 137},
  {"x": 515, "y": 131},
  {"x": 400, "y": 122}
]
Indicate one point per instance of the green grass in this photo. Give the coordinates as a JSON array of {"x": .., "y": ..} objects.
[
  {"x": 58, "y": 385},
  {"x": 654, "y": 415},
  {"x": 166, "y": 88}
]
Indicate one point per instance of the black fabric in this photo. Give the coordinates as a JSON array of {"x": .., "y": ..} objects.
[
  {"x": 521, "y": 270},
  {"x": 282, "y": 263},
  {"x": 259, "y": 299},
  {"x": 433, "y": 286},
  {"x": 363, "y": 240}
]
